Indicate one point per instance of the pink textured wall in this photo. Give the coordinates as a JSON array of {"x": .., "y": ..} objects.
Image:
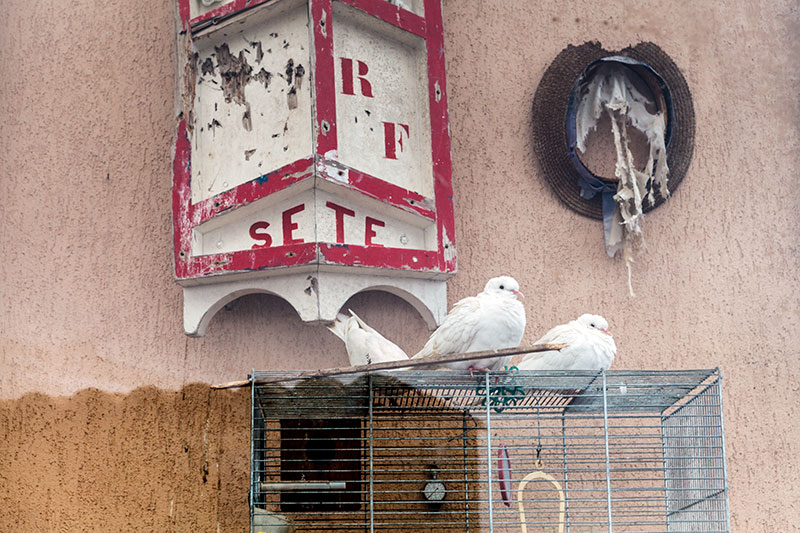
[{"x": 88, "y": 110}]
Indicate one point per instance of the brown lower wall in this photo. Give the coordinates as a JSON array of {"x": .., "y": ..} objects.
[
  {"x": 87, "y": 297},
  {"x": 152, "y": 460}
]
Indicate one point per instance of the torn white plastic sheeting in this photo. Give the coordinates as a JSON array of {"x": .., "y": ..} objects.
[{"x": 611, "y": 89}]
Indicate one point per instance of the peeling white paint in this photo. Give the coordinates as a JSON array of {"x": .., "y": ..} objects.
[
  {"x": 449, "y": 247},
  {"x": 341, "y": 174},
  {"x": 201, "y": 7},
  {"x": 271, "y": 110},
  {"x": 323, "y": 27}
]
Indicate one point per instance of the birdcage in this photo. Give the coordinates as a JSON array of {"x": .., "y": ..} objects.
[{"x": 422, "y": 450}]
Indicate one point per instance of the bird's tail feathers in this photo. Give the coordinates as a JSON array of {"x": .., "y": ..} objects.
[
  {"x": 338, "y": 327},
  {"x": 361, "y": 323}
]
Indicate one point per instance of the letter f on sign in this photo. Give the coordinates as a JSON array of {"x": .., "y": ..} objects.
[{"x": 393, "y": 137}]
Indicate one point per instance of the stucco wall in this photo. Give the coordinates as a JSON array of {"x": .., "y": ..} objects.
[{"x": 88, "y": 299}]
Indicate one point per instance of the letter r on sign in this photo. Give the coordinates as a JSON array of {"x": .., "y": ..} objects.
[{"x": 348, "y": 78}]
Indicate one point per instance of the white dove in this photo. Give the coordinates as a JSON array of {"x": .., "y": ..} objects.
[
  {"x": 492, "y": 320},
  {"x": 590, "y": 346},
  {"x": 365, "y": 345}
]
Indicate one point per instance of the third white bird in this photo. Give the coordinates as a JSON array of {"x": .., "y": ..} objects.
[{"x": 590, "y": 346}]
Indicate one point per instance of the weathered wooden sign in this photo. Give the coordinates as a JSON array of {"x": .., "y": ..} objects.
[{"x": 313, "y": 155}]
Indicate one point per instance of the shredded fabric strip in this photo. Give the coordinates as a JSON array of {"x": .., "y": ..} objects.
[{"x": 612, "y": 91}]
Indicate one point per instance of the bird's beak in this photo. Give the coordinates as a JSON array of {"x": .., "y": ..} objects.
[
  {"x": 518, "y": 294},
  {"x": 607, "y": 333}
]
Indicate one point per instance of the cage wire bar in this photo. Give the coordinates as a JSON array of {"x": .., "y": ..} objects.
[{"x": 615, "y": 451}]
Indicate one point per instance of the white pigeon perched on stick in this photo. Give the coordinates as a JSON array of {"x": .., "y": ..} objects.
[
  {"x": 590, "y": 346},
  {"x": 365, "y": 345},
  {"x": 492, "y": 320}
]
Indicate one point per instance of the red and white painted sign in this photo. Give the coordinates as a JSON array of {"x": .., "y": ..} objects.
[{"x": 314, "y": 140}]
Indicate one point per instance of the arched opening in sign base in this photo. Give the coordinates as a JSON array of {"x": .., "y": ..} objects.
[
  {"x": 198, "y": 329},
  {"x": 411, "y": 299},
  {"x": 301, "y": 292}
]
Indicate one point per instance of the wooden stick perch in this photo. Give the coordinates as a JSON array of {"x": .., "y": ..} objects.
[{"x": 434, "y": 360}]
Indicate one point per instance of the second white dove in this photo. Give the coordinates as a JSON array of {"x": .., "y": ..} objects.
[
  {"x": 590, "y": 346},
  {"x": 492, "y": 320}
]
